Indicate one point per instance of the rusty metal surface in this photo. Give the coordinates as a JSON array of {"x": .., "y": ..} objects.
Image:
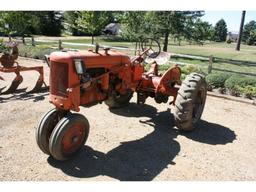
[
  {"x": 8, "y": 64},
  {"x": 118, "y": 73}
]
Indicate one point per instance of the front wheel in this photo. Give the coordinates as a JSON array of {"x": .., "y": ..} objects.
[
  {"x": 68, "y": 136},
  {"x": 44, "y": 129},
  {"x": 190, "y": 102}
]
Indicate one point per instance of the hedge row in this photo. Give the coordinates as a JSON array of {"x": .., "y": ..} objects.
[{"x": 235, "y": 84}]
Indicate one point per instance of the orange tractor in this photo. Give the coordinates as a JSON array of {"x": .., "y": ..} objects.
[{"x": 85, "y": 78}]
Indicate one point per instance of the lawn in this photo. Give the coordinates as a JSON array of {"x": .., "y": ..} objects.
[
  {"x": 243, "y": 60},
  {"x": 221, "y": 50}
]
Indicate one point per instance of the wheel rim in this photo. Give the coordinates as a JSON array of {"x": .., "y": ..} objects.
[
  {"x": 73, "y": 139},
  {"x": 198, "y": 105}
]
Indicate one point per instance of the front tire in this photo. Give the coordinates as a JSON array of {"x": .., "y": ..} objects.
[
  {"x": 44, "y": 130},
  {"x": 190, "y": 102},
  {"x": 68, "y": 136}
]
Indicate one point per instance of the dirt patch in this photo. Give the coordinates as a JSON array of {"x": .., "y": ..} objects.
[{"x": 133, "y": 143}]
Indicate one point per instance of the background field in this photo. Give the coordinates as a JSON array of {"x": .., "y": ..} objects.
[{"x": 225, "y": 56}]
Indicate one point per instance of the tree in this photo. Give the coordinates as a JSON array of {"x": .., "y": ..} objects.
[
  {"x": 50, "y": 22},
  {"x": 17, "y": 22},
  {"x": 169, "y": 22},
  {"x": 70, "y": 24},
  {"x": 249, "y": 32},
  {"x": 134, "y": 25},
  {"x": 93, "y": 21},
  {"x": 220, "y": 31},
  {"x": 174, "y": 23},
  {"x": 198, "y": 31},
  {"x": 31, "y": 22}
]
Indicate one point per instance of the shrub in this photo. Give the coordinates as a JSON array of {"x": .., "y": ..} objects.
[
  {"x": 183, "y": 77},
  {"x": 37, "y": 52},
  {"x": 187, "y": 69},
  {"x": 240, "y": 80},
  {"x": 249, "y": 91},
  {"x": 217, "y": 79},
  {"x": 163, "y": 68},
  {"x": 7, "y": 47},
  {"x": 228, "y": 40}
]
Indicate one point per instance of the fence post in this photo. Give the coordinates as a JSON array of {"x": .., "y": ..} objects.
[
  {"x": 60, "y": 45},
  {"x": 135, "y": 52},
  {"x": 210, "y": 64},
  {"x": 33, "y": 41},
  {"x": 23, "y": 40}
]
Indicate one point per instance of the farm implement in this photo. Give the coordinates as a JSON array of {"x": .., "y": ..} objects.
[
  {"x": 8, "y": 64},
  {"x": 86, "y": 78}
]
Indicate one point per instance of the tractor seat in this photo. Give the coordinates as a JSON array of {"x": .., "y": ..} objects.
[{"x": 153, "y": 71}]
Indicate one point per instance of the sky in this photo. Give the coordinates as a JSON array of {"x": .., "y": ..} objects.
[{"x": 232, "y": 18}]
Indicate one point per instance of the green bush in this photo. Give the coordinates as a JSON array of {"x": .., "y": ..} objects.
[
  {"x": 183, "y": 77},
  {"x": 187, "y": 69},
  {"x": 248, "y": 90},
  {"x": 165, "y": 67},
  {"x": 217, "y": 79},
  {"x": 36, "y": 52},
  {"x": 239, "y": 80},
  {"x": 228, "y": 40}
]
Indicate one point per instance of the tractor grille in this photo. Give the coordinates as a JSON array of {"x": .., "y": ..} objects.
[{"x": 59, "y": 79}]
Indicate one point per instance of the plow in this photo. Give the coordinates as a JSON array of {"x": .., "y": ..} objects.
[
  {"x": 86, "y": 78},
  {"x": 9, "y": 64}
]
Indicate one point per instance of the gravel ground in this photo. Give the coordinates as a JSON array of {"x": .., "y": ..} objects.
[{"x": 133, "y": 143}]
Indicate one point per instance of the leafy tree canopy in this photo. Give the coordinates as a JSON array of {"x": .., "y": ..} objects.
[
  {"x": 249, "y": 33},
  {"x": 220, "y": 31}
]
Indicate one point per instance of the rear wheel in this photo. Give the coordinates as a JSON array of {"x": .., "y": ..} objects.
[
  {"x": 190, "y": 102},
  {"x": 117, "y": 100},
  {"x": 68, "y": 136}
]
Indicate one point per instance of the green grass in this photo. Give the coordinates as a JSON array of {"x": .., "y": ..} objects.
[
  {"x": 220, "y": 65},
  {"x": 222, "y": 51}
]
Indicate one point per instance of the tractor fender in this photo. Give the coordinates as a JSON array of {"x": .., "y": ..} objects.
[{"x": 169, "y": 78}]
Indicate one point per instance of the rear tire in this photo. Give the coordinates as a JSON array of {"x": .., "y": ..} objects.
[
  {"x": 190, "y": 102},
  {"x": 119, "y": 100},
  {"x": 68, "y": 136}
]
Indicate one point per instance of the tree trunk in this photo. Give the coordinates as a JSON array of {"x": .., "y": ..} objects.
[
  {"x": 92, "y": 38},
  {"x": 240, "y": 32},
  {"x": 166, "y": 37}
]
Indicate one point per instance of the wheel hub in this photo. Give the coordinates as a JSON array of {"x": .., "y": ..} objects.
[{"x": 73, "y": 139}]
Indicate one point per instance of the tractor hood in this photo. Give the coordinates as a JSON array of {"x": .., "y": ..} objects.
[{"x": 91, "y": 58}]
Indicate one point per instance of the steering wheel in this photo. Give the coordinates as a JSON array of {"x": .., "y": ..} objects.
[{"x": 153, "y": 46}]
